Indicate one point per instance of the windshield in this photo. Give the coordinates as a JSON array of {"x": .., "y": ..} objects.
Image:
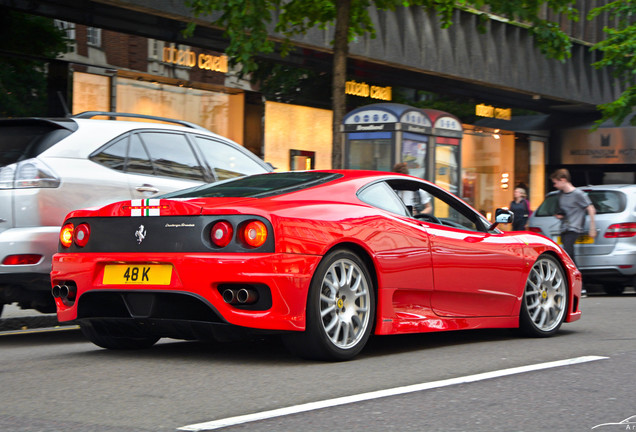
[{"x": 260, "y": 185}]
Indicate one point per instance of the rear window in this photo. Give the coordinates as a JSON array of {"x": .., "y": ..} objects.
[
  {"x": 25, "y": 139},
  {"x": 260, "y": 185},
  {"x": 605, "y": 202}
]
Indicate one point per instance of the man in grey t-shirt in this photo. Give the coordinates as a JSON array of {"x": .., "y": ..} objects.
[{"x": 573, "y": 205}]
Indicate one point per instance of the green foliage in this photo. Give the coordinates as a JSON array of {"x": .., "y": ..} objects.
[
  {"x": 25, "y": 40},
  {"x": 619, "y": 55}
]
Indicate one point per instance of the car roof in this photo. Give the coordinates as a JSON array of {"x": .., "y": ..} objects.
[{"x": 91, "y": 134}]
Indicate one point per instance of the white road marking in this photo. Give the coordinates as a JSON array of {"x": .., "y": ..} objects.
[{"x": 231, "y": 421}]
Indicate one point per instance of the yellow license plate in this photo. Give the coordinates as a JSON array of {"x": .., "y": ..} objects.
[
  {"x": 148, "y": 274},
  {"x": 583, "y": 239}
]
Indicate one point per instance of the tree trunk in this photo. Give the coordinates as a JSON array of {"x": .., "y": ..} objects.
[{"x": 338, "y": 98}]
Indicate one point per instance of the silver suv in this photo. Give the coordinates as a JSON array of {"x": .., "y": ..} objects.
[
  {"x": 49, "y": 167},
  {"x": 610, "y": 258}
]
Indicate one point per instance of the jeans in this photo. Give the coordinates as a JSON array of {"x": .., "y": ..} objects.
[{"x": 569, "y": 238}]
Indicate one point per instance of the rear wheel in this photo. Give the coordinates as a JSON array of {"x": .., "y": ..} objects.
[
  {"x": 340, "y": 310},
  {"x": 111, "y": 337},
  {"x": 545, "y": 298}
]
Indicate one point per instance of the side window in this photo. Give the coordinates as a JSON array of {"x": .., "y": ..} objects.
[
  {"x": 549, "y": 206},
  {"x": 172, "y": 156},
  {"x": 432, "y": 205},
  {"x": 450, "y": 214},
  {"x": 113, "y": 156},
  {"x": 138, "y": 159},
  {"x": 226, "y": 161},
  {"x": 380, "y": 195}
]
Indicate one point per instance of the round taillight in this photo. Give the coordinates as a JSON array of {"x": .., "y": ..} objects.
[
  {"x": 82, "y": 233},
  {"x": 254, "y": 234},
  {"x": 66, "y": 235},
  {"x": 221, "y": 233}
]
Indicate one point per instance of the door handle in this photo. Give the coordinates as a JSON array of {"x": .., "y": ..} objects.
[{"x": 147, "y": 188}]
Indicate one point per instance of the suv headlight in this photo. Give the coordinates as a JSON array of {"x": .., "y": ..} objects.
[{"x": 30, "y": 173}]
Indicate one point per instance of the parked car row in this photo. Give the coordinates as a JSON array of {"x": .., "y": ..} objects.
[
  {"x": 610, "y": 258},
  {"x": 50, "y": 166}
]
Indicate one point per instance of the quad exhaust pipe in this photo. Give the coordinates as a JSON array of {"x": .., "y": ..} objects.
[
  {"x": 242, "y": 296},
  {"x": 64, "y": 292}
]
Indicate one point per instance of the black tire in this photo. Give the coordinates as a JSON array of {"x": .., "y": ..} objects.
[
  {"x": 340, "y": 310},
  {"x": 545, "y": 298},
  {"x": 613, "y": 289},
  {"x": 111, "y": 337}
]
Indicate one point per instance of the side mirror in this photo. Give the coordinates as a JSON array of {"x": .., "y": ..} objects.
[{"x": 502, "y": 215}]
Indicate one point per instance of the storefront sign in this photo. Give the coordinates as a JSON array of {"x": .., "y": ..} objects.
[
  {"x": 493, "y": 112},
  {"x": 189, "y": 58},
  {"x": 365, "y": 90},
  {"x": 602, "y": 146}
]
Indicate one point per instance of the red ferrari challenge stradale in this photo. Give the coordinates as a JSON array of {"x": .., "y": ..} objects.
[{"x": 325, "y": 258}]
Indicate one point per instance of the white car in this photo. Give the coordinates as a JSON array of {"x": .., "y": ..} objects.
[
  {"x": 49, "y": 167},
  {"x": 610, "y": 258}
]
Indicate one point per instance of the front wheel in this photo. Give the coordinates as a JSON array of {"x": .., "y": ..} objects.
[
  {"x": 114, "y": 338},
  {"x": 340, "y": 310},
  {"x": 545, "y": 298}
]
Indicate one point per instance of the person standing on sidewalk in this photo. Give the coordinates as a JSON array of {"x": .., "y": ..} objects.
[
  {"x": 573, "y": 205},
  {"x": 520, "y": 207}
]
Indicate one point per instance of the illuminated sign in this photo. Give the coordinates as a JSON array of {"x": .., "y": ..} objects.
[
  {"x": 188, "y": 58},
  {"x": 493, "y": 112},
  {"x": 365, "y": 90}
]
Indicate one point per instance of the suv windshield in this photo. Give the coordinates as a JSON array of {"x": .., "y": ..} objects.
[
  {"x": 605, "y": 201},
  {"x": 25, "y": 139},
  {"x": 260, "y": 185}
]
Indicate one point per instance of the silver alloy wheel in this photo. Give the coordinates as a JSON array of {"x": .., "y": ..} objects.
[
  {"x": 545, "y": 295},
  {"x": 344, "y": 303}
]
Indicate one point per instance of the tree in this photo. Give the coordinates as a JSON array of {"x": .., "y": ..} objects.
[
  {"x": 25, "y": 41},
  {"x": 246, "y": 26},
  {"x": 619, "y": 54}
]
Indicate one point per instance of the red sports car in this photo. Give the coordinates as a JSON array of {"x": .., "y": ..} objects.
[{"x": 323, "y": 257}]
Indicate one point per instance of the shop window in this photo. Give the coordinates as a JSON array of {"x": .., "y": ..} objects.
[
  {"x": 484, "y": 158},
  {"x": 300, "y": 160}
]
